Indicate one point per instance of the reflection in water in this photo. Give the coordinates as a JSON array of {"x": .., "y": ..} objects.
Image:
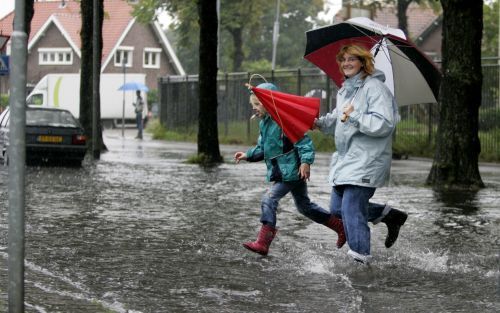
[
  {"x": 139, "y": 151},
  {"x": 460, "y": 219},
  {"x": 465, "y": 200},
  {"x": 142, "y": 231}
]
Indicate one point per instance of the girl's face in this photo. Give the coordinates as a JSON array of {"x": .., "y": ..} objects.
[
  {"x": 350, "y": 64},
  {"x": 258, "y": 108}
]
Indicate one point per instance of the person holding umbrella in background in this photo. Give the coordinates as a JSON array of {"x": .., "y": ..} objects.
[
  {"x": 139, "y": 108},
  {"x": 362, "y": 123}
]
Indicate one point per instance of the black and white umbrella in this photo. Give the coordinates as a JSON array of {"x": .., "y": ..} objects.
[{"x": 410, "y": 75}]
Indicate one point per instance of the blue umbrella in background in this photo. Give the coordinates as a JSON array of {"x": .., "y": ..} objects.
[
  {"x": 134, "y": 86},
  {"x": 130, "y": 86}
]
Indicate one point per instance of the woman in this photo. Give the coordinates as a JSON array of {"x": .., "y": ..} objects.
[{"x": 363, "y": 123}]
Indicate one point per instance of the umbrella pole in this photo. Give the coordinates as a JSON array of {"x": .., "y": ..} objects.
[{"x": 379, "y": 44}]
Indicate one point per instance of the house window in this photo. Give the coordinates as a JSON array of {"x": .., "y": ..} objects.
[
  {"x": 55, "y": 56},
  {"x": 151, "y": 58},
  {"x": 123, "y": 56}
]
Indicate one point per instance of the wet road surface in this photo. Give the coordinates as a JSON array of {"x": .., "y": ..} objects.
[{"x": 142, "y": 231}]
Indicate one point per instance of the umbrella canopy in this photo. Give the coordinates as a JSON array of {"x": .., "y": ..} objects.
[
  {"x": 134, "y": 86},
  {"x": 294, "y": 114},
  {"x": 410, "y": 75}
]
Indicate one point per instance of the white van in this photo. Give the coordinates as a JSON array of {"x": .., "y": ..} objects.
[{"x": 63, "y": 91}]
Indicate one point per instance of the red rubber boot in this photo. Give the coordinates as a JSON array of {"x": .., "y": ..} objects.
[
  {"x": 264, "y": 239},
  {"x": 336, "y": 224}
]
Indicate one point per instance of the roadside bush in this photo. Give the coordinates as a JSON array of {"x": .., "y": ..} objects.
[
  {"x": 322, "y": 142},
  {"x": 489, "y": 118},
  {"x": 411, "y": 138},
  {"x": 239, "y": 133},
  {"x": 406, "y": 145},
  {"x": 160, "y": 132},
  {"x": 4, "y": 101},
  {"x": 490, "y": 139}
]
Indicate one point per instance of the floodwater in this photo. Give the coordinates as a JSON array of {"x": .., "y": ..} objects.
[{"x": 141, "y": 231}]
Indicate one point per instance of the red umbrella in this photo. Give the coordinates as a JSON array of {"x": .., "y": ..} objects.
[{"x": 294, "y": 114}]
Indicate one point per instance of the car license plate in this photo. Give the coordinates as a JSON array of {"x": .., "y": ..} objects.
[{"x": 50, "y": 139}]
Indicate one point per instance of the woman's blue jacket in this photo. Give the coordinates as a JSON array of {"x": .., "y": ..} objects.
[{"x": 364, "y": 141}]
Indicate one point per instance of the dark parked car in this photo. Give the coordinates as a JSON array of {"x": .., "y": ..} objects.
[{"x": 52, "y": 136}]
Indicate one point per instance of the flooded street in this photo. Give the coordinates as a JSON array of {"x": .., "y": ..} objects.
[{"x": 142, "y": 231}]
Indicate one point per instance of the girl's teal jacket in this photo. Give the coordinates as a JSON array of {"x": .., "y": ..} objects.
[{"x": 282, "y": 158}]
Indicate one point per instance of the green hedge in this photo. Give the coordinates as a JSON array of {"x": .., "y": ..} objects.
[
  {"x": 411, "y": 139},
  {"x": 4, "y": 100},
  {"x": 489, "y": 119}
]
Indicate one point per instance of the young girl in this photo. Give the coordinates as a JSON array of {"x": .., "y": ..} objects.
[{"x": 288, "y": 167}]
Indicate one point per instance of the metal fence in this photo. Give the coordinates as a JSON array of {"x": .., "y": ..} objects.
[{"x": 415, "y": 133}]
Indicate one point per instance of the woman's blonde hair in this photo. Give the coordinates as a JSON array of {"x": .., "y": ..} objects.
[{"x": 364, "y": 55}]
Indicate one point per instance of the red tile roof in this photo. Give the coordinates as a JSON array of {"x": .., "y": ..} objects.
[
  {"x": 116, "y": 18},
  {"x": 71, "y": 24},
  {"x": 43, "y": 10}
]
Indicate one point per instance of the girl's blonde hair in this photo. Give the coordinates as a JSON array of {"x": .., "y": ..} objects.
[{"x": 364, "y": 55}]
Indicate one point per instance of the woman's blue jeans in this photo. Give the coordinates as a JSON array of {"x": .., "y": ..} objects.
[
  {"x": 351, "y": 203},
  {"x": 278, "y": 190}
]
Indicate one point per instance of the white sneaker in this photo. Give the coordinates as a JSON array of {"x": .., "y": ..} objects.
[{"x": 364, "y": 259}]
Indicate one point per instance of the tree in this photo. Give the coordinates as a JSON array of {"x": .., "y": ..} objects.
[
  {"x": 86, "y": 34},
  {"x": 204, "y": 12},
  {"x": 402, "y": 17},
  {"x": 246, "y": 30},
  {"x": 296, "y": 18},
  {"x": 455, "y": 162},
  {"x": 208, "y": 135},
  {"x": 490, "y": 34},
  {"x": 401, "y": 6},
  {"x": 29, "y": 11},
  {"x": 238, "y": 17}
]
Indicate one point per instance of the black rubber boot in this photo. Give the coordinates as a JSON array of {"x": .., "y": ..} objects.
[{"x": 394, "y": 220}]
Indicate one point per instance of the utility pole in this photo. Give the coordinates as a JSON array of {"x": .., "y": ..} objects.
[
  {"x": 123, "y": 104},
  {"x": 17, "y": 159},
  {"x": 276, "y": 31}
]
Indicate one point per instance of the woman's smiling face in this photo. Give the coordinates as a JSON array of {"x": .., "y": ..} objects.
[{"x": 350, "y": 64}]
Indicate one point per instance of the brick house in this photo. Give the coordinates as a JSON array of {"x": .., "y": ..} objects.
[
  {"x": 54, "y": 42},
  {"x": 424, "y": 25}
]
